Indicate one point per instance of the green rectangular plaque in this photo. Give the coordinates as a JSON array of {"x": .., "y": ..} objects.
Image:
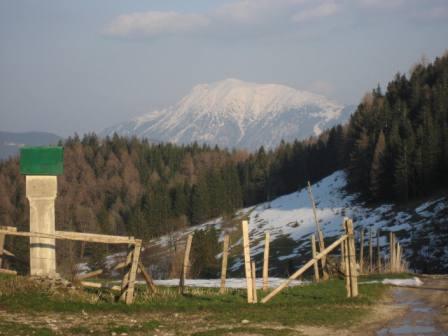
[{"x": 42, "y": 160}]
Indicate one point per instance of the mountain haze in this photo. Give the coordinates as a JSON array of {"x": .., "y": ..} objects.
[
  {"x": 233, "y": 113},
  {"x": 11, "y": 142}
]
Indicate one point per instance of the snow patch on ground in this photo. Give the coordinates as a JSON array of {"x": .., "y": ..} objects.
[{"x": 230, "y": 283}]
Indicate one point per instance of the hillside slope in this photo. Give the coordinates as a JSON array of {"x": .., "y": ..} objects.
[{"x": 421, "y": 229}]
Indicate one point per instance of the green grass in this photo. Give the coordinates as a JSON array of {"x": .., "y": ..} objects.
[
  {"x": 18, "y": 329},
  {"x": 323, "y": 304},
  {"x": 142, "y": 327},
  {"x": 246, "y": 330}
]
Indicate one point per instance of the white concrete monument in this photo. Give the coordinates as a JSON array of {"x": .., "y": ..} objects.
[{"x": 41, "y": 165}]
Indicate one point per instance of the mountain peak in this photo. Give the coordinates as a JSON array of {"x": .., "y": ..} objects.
[{"x": 235, "y": 113}]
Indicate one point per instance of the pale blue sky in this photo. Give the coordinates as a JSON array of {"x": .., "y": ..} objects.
[{"x": 81, "y": 66}]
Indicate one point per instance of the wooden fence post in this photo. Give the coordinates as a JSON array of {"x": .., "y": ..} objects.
[
  {"x": 351, "y": 254},
  {"x": 352, "y": 259},
  {"x": 370, "y": 251},
  {"x": 398, "y": 267},
  {"x": 346, "y": 266},
  {"x": 254, "y": 282},
  {"x": 247, "y": 267},
  {"x": 392, "y": 252},
  {"x": 378, "y": 251},
  {"x": 225, "y": 251},
  {"x": 127, "y": 266},
  {"x": 361, "y": 252},
  {"x": 313, "y": 253},
  {"x": 320, "y": 235},
  {"x": 186, "y": 264},
  {"x": 2, "y": 241},
  {"x": 128, "y": 283},
  {"x": 266, "y": 262},
  {"x": 133, "y": 272}
]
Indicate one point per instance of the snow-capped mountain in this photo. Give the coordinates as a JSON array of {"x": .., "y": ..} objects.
[{"x": 233, "y": 113}]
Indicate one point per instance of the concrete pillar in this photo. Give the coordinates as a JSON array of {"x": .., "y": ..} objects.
[{"x": 41, "y": 192}]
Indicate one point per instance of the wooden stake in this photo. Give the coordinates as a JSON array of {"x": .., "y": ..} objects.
[
  {"x": 254, "y": 282},
  {"x": 346, "y": 267},
  {"x": 266, "y": 262},
  {"x": 247, "y": 268},
  {"x": 149, "y": 282},
  {"x": 378, "y": 251},
  {"x": 304, "y": 268},
  {"x": 391, "y": 251},
  {"x": 133, "y": 273},
  {"x": 313, "y": 253},
  {"x": 370, "y": 251},
  {"x": 361, "y": 252},
  {"x": 186, "y": 264},
  {"x": 225, "y": 251},
  {"x": 125, "y": 281},
  {"x": 352, "y": 259},
  {"x": 398, "y": 267},
  {"x": 319, "y": 232}
]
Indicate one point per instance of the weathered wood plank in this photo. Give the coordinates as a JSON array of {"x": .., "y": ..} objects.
[
  {"x": 133, "y": 272},
  {"x": 361, "y": 252},
  {"x": 147, "y": 277},
  {"x": 266, "y": 262},
  {"x": 186, "y": 264},
  {"x": 79, "y": 236},
  {"x": 304, "y": 268},
  {"x": 225, "y": 252},
  {"x": 98, "y": 285},
  {"x": 247, "y": 267},
  {"x": 313, "y": 253},
  {"x": 352, "y": 259},
  {"x": 320, "y": 235},
  {"x": 254, "y": 282},
  {"x": 88, "y": 275}
]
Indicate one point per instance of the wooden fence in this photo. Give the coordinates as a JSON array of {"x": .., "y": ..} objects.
[{"x": 131, "y": 264}]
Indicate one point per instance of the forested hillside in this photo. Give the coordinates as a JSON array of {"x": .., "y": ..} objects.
[
  {"x": 397, "y": 142},
  {"x": 128, "y": 186}
]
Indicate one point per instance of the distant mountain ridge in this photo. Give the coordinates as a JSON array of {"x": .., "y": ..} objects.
[
  {"x": 233, "y": 113},
  {"x": 10, "y": 142}
]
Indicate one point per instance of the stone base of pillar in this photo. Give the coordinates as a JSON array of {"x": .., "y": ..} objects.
[{"x": 41, "y": 192}]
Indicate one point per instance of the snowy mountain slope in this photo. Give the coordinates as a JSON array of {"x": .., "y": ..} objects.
[
  {"x": 422, "y": 230},
  {"x": 232, "y": 113}
]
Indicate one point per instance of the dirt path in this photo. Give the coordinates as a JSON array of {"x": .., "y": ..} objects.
[{"x": 425, "y": 310}]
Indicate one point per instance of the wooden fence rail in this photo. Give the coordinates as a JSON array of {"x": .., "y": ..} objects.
[{"x": 304, "y": 268}]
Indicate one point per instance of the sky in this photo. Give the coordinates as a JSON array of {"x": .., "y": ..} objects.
[{"x": 83, "y": 65}]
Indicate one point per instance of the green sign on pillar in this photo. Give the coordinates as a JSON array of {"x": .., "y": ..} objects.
[{"x": 42, "y": 161}]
